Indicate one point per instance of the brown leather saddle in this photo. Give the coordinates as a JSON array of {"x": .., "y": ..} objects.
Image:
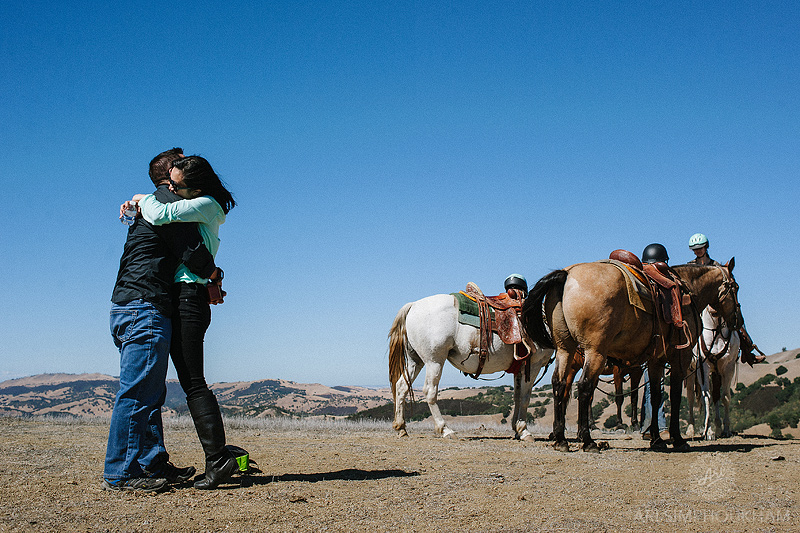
[
  {"x": 666, "y": 290},
  {"x": 499, "y": 314}
]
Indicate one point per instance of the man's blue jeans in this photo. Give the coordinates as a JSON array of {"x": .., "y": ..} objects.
[
  {"x": 136, "y": 436},
  {"x": 647, "y": 409}
]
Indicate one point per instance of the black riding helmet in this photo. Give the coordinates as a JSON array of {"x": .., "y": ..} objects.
[
  {"x": 655, "y": 253},
  {"x": 516, "y": 281}
]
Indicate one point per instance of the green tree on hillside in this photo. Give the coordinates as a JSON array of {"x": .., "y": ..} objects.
[{"x": 762, "y": 402}]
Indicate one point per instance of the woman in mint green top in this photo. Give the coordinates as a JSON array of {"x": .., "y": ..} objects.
[{"x": 207, "y": 202}]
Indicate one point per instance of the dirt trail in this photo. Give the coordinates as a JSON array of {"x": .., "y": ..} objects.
[{"x": 349, "y": 478}]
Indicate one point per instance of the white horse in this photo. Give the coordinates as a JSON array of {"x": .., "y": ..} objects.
[
  {"x": 427, "y": 333},
  {"x": 711, "y": 375}
]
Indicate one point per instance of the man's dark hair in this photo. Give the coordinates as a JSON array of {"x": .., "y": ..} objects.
[{"x": 160, "y": 164}]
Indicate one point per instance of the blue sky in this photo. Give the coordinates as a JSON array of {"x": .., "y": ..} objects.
[{"x": 381, "y": 152}]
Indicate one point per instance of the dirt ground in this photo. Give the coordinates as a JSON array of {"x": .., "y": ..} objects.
[{"x": 346, "y": 477}]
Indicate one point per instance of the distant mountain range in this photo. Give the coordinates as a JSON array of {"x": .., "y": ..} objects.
[{"x": 93, "y": 395}]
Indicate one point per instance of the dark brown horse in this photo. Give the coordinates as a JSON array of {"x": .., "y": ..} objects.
[{"x": 586, "y": 309}]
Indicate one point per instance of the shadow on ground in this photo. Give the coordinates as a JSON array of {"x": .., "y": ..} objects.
[{"x": 349, "y": 474}]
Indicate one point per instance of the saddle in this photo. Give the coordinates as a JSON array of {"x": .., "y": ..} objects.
[
  {"x": 665, "y": 290},
  {"x": 499, "y": 314}
]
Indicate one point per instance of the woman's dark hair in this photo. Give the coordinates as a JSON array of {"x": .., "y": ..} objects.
[{"x": 198, "y": 174}]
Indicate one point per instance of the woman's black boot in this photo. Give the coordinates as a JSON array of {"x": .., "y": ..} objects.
[
  {"x": 218, "y": 471},
  {"x": 220, "y": 463}
]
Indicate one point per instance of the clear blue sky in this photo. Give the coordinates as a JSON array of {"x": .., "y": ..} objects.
[{"x": 381, "y": 152}]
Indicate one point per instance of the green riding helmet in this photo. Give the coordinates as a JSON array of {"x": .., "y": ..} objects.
[
  {"x": 516, "y": 281},
  {"x": 655, "y": 253},
  {"x": 698, "y": 240}
]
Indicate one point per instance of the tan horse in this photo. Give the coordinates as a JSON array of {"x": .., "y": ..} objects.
[{"x": 587, "y": 310}]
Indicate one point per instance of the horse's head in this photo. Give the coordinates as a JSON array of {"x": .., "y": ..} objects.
[{"x": 726, "y": 303}]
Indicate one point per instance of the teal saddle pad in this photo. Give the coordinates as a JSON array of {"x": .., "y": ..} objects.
[{"x": 468, "y": 311}]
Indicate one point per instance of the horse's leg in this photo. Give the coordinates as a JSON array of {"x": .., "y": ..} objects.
[
  {"x": 728, "y": 369},
  {"x": 725, "y": 398},
  {"x": 414, "y": 366},
  {"x": 561, "y": 380},
  {"x": 433, "y": 373},
  {"x": 566, "y": 390},
  {"x": 711, "y": 381},
  {"x": 522, "y": 399},
  {"x": 681, "y": 361},
  {"x": 620, "y": 396},
  {"x": 717, "y": 418},
  {"x": 716, "y": 394},
  {"x": 655, "y": 371},
  {"x": 690, "y": 396},
  {"x": 636, "y": 379},
  {"x": 592, "y": 366}
]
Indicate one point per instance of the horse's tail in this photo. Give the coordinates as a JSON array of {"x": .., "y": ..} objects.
[
  {"x": 532, "y": 312},
  {"x": 397, "y": 350}
]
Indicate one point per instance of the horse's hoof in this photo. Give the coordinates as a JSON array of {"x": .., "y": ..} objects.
[
  {"x": 562, "y": 446},
  {"x": 449, "y": 434},
  {"x": 527, "y": 437},
  {"x": 603, "y": 445},
  {"x": 591, "y": 447},
  {"x": 402, "y": 433},
  {"x": 681, "y": 446},
  {"x": 551, "y": 436},
  {"x": 658, "y": 445}
]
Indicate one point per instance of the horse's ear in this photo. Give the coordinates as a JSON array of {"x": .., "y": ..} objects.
[{"x": 731, "y": 264}]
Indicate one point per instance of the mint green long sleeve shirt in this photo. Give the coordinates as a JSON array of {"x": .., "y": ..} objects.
[{"x": 203, "y": 210}]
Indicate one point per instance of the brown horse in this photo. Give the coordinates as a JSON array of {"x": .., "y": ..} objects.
[{"x": 586, "y": 308}]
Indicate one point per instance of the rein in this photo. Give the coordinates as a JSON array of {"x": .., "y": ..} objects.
[
  {"x": 729, "y": 285},
  {"x": 709, "y": 355},
  {"x": 544, "y": 371},
  {"x": 615, "y": 395},
  {"x": 667, "y": 372}
]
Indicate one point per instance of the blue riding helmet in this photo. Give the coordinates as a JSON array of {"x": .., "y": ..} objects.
[{"x": 698, "y": 240}]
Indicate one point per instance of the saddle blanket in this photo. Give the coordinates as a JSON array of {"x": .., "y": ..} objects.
[
  {"x": 638, "y": 292},
  {"x": 468, "y": 311}
]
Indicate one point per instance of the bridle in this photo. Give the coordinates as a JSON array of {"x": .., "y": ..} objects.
[
  {"x": 707, "y": 353},
  {"x": 729, "y": 286}
]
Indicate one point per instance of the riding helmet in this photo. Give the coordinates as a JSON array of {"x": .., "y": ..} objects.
[
  {"x": 698, "y": 240},
  {"x": 655, "y": 253},
  {"x": 516, "y": 281}
]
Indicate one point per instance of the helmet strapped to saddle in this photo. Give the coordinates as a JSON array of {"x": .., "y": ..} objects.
[
  {"x": 655, "y": 253},
  {"x": 516, "y": 281},
  {"x": 698, "y": 240}
]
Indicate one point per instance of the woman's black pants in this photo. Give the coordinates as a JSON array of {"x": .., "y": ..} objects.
[{"x": 190, "y": 320}]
